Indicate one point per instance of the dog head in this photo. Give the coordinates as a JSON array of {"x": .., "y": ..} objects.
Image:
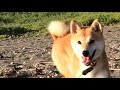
[{"x": 87, "y": 42}]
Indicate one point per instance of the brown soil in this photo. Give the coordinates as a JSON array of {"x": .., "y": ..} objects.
[{"x": 31, "y": 57}]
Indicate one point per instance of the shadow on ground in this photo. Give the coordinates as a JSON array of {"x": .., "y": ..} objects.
[{"x": 15, "y": 31}]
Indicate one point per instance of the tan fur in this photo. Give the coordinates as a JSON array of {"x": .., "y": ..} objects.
[{"x": 66, "y": 52}]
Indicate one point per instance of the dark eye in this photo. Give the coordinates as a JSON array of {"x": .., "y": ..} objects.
[
  {"x": 91, "y": 41},
  {"x": 79, "y": 42}
]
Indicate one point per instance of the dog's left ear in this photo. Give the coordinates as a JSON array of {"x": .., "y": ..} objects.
[{"x": 96, "y": 26}]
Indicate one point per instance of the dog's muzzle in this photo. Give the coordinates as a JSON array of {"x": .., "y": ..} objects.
[
  {"x": 92, "y": 64},
  {"x": 88, "y": 59}
]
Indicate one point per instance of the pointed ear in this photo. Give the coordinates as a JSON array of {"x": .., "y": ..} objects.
[
  {"x": 74, "y": 26},
  {"x": 96, "y": 26}
]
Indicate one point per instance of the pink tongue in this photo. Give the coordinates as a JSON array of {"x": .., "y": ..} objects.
[{"x": 86, "y": 60}]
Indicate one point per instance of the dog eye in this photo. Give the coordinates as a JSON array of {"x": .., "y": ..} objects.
[
  {"x": 91, "y": 41},
  {"x": 79, "y": 42}
]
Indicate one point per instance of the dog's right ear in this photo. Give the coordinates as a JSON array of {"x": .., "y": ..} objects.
[{"x": 74, "y": 26}]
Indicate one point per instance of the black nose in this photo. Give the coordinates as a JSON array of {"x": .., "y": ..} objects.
[{"x": 85, "y": 53}]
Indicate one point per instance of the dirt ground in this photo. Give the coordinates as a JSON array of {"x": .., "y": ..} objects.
[{"x": 31, "y": 57}]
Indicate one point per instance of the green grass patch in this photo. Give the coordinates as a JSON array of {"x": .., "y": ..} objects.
[{"x": 27, "y": 24}]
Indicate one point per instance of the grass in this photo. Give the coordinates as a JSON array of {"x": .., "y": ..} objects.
[{"x": 26, "y": 24}]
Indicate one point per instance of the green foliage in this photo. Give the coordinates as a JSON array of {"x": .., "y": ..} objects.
[{"x": 16, "y": 24}]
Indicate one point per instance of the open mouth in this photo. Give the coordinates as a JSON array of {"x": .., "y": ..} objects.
[{"x": 88, "y": 59}]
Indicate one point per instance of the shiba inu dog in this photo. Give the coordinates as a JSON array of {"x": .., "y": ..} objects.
[{"x": 79, "y": 51}]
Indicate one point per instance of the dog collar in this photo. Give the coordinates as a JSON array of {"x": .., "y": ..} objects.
[{"x": 92, "y": 65}]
